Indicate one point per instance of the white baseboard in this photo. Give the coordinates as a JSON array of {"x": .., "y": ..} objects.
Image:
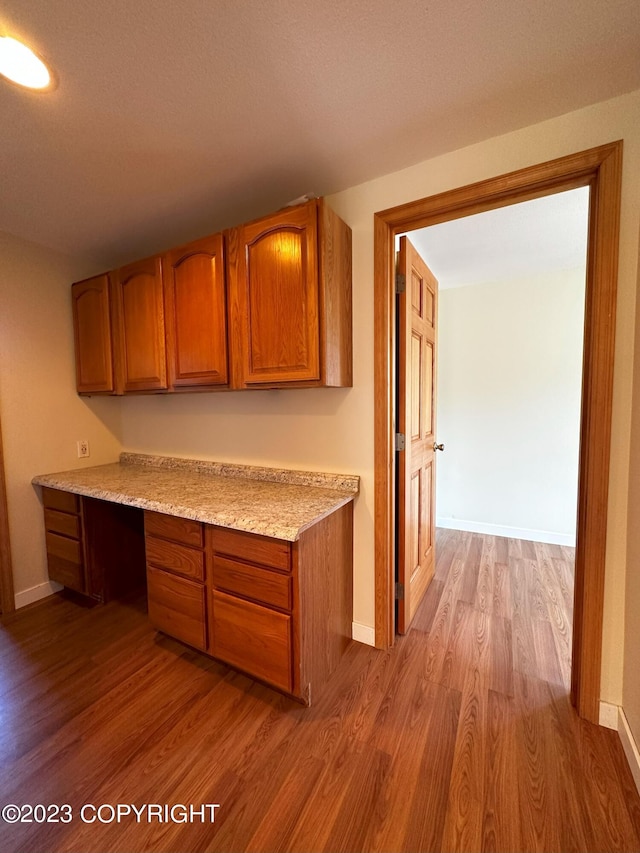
[
  {"x": 363, "y": 633},
  {"x": 35, "y": 593},
  {"x": 630, "y": 747},
  {"x": 609, "y": 715},
  {"x": 512, "y": 532}
]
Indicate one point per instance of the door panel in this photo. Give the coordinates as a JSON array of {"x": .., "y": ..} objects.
[
  {"x": 196, "y": 313},
  {"x": 416, "y": 387},
  {"x": 141, "y": 325},
  {"x": 92, "y": 330},
  {"x": 278, "y": 297},
  {"x": 417, "y": 312},
  {"x": 415, "y": 521},
  {"x": 427, "y": 407}
]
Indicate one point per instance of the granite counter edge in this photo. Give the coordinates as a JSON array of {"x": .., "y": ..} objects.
[{"x": 263, "y": 528}]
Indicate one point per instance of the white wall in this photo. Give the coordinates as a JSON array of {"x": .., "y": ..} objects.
[
  {"x": 41, "y": 415},
  {"x": 509, "y": 383}
]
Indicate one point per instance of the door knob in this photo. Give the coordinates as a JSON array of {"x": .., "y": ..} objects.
[{"x": 437, "y": 446}]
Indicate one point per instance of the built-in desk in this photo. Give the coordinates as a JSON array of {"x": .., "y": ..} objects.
[{"x": 252, "y": 566}]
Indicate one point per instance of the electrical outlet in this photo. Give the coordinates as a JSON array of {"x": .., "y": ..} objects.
[{"x": 83, "y": 449}]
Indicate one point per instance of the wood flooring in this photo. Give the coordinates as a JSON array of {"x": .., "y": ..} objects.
[{"x": 459, "y": 738}]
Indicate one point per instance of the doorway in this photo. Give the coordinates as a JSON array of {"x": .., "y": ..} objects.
[
  {"x": 600, "y": 169},
  {"x": 510, "y": 320}
]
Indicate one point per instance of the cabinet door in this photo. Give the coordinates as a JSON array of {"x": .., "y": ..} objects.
[
  {"x": 196, "y": 306},
  {"x": 143, "y": 361},
  {"x": 276, "y": 298},
  {"x": 92, "y": 332}
]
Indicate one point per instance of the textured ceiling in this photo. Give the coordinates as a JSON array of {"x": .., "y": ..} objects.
[{"x": 171, "y": 119}]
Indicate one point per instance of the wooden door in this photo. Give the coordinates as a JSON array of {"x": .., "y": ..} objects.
[
  {"x": 141, "y": 334},
  {"x": 276, "y": 297},
  {"x": 92, "y": 331},
  {"x": 415, "y": 528},
  {"x": 196, "y": 313}
]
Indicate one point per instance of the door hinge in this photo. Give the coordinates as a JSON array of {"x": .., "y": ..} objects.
[
  {"x": 400, "y": 591},
  {"x": 400, "y": 441},
  {"x": 401, "y": 282}
]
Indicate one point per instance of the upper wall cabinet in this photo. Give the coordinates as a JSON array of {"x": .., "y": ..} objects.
[
  {"x": 93, "y": 339},
  {"x": 275, "y": 313},
  {"x": 141, "y": 352},
  {"x": 196, "y": 314},
  {"x": 290, "y": 293}
]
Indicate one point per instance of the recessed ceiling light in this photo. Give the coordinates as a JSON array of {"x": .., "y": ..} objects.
[{"x": 20, "y": 64}]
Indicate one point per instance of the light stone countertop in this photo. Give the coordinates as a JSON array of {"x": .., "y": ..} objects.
[{"x": 270, "y": 501}]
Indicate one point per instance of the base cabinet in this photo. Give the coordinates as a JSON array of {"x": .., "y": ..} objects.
[
  {"x": 278, "y": 611},
  {"x": 94, "y": 547},
  {"x": 176, "y": 590}
]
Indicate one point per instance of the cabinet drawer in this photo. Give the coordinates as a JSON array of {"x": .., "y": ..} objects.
[
  {"x": 252, "y": 582},
  {"x": 64, "y": 548},
  {"x": 177, "y": 558},
  {"x": 64, "y": 558},
  {"x": 66, "y": 572},
  {"x": 252, "y": 638},
  {"x": 177, "y": 607},
  {"x": 252, "y": 547},
  {"x": 57, "y": 499},
  {"x": 171, "y": 527},
  {"x": 62, "y": 522}
]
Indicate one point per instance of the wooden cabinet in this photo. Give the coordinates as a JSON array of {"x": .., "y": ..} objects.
[
  {"x": 290, "y": 295},
  {"x": 274, "y": 313},
  {"x": 176, "y": 591},
  {"x": 279, "y": 611},
  {"x": 141, "y": 358},
  {"x": 251, "y": 604},
  {"x": 177, "y": 607},
  {"x": 94, "y": 547},
  {"x": 92, "y": 323},
  {"x": 64, "y": 539},
  {"x": 196, "y": 314},
  {"x": 253, "y": 582},
  {"x": 274, "y": 281},
  {"x": 253, "y": 638}
]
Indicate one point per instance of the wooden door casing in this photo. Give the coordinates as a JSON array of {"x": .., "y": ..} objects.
[
  {"x": 141, "y": 328},
  {"x": 196, "y": 314},
  {"x": 599, "y": 168},
  {"x": 417, "y": 313},
  {"x": 7, "y": 600}
]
